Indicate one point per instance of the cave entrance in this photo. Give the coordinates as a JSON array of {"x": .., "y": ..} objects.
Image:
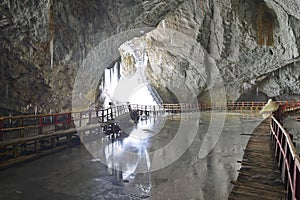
[{"x": 125, "y": 81}]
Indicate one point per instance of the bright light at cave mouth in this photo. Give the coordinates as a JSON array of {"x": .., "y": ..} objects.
[
  {"x": 133, "y": 87},
  {"x": 142, "y": 96},
  {"x": 123, "y": 90}
]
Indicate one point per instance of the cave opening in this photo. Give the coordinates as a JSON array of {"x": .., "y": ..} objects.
[{"x": 124, "y": 81}]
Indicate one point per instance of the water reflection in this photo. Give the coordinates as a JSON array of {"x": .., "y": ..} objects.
[
  {"x": 130, "y": 153},
  {"x": 207, "y": 178},
  {"x": 190, "y": 176},
  {"x": 74, "y": 174}
]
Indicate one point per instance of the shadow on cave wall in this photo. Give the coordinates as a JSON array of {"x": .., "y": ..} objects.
[
  {"x": 259, "y": 96},
  {"x": 253, "y": 95}
]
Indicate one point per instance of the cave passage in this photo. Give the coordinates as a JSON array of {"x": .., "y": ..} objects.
[{"x": 120, "y": 88}]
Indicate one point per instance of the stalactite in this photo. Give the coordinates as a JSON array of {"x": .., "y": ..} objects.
[
  {"x": 119, "y": 70},
  {"x": 51, "y": 53},
  {"x": 195, "y": 8},
  {"x": 110, "y": 75},
  {"x": 51, "y": 30},
  {"x": 103, "y": 79},
  {"x": 101, "y": 83},
  {"x": 163, "y": 23}
]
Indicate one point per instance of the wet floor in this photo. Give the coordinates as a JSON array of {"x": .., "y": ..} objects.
[
  {"x": 293, "y": 127},
  {"x": 162, "y": 158}
]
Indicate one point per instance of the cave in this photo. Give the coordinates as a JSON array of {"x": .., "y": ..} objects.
[
  {"x": 50, "y": 41},
  {"x": 75, "y": 73}
]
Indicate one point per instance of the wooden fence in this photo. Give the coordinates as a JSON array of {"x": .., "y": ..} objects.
[
  {"x": 286, "y": 154},
  {"x": 27, "y": 125}
]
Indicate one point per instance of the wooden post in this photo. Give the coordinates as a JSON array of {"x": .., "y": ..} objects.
[
  {"x": 40, "y": 131},
  {"x": 35, "y": 145},
  {"x": 16, "y": 152},
  {"x": 296, "y": 181},
  {"x": 1, "y": 129},
  {"x": 97, "y": 113},
  {"x": 69, "y": 120},
  {"x": 80, "y": 119},
  {"x": 111, "y": 113},
  {"x": 53, "y": 143},
  {"x": 291, "y": 173},
  {"x": 276, "y": 129},
  {"x": 284, "y": 174},
  {"x": 21, "y": 129},
  {"x": 102, "y": 116},
  {"x": 55, "y": 122},
  {"x": 279, "y": 150},
  {"x": 68, "y": 139}
]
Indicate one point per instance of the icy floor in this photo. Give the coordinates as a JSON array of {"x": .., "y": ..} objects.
[{"x": 76, "y": 174}]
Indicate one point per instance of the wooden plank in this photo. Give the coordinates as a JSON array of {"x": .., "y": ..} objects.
[
  {"x": 259, "y": 192},
  {"x": 259, "y": 186},
  {"x": 258, "y": 177},
  {"x": 249, "y": 196}
]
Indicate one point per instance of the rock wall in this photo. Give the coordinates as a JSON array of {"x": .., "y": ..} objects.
[
  {"x": 247, "y": 41},
  {"x": 43, "y": 43},
  {"x": 238, "y": 44}
]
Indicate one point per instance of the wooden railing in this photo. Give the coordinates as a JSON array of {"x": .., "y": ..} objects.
[
  {"x": 287, "y": 158},
  {"x": 12, "y": 127},
  {"x": 27, "y": 125},
  {"x": 290, "y": 107},
  {"x": 227, "y": 106},
  {"x": 143, "y": 109}
]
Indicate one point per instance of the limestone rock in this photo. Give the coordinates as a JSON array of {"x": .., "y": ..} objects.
[
  {"x": 44, "y": 42},
  {"x": 199, "y": 46},
  {"x": 246, "y": 41}
]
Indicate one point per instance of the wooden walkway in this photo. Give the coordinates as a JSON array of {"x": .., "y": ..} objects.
[{"x": 259, "y": 177}]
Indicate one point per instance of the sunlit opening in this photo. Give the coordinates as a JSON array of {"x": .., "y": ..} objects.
[
  {"x": 134, "y": 89},
  {"x": 142, "y": 96},
  {"x": 129, "y": 87}
]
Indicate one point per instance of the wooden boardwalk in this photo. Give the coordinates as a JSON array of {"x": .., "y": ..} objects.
[{"x": 259, "y": 177}]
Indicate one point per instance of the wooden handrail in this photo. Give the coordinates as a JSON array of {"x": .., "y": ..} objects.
[
  {"x": 107, "y": 114},
  {"x": 287, "y": 136},
  {"x": 287, "y": 158}
]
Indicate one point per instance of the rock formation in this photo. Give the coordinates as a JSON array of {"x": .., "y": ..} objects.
[
  {"x": 240, "y": 45},
  {"x": 253, "y": 44},
  {"x": 43, "y": 43}
]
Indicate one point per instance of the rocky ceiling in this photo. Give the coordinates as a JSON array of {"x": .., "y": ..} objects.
[{"x": 246, "y": 44}]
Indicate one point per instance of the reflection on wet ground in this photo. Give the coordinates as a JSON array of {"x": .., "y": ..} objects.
[
  {"x": 293, "y": 127},
  {"x": 159, "y": 159}
]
